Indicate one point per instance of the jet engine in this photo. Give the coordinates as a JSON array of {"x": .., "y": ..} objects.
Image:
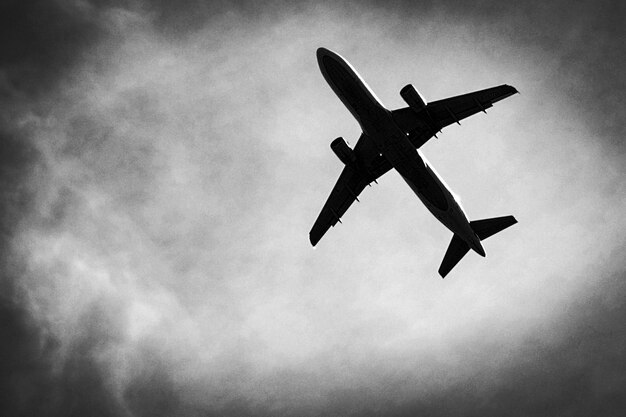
[
  {"x": 343, "y": 151},
  {"x": 413, "y": 98}
]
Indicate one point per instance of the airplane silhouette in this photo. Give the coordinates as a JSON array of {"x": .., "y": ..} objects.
[{"x": 391, "y": 139}]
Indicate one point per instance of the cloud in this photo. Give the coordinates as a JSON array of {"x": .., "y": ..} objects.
[
  {"x": 43, "y": 40},
  {"x": 162, "y": 168}
]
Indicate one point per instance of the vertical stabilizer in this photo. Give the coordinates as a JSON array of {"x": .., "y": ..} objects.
[{"x": 456, "y": 251}]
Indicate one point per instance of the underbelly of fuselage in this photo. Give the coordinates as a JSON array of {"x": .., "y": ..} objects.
[{"x": 416, "y": 172}]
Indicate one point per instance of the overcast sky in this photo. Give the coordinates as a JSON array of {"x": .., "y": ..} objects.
[{"x": 161, "y": 166}]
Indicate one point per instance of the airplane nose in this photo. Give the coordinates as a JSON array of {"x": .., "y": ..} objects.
[{"x": 321, "y": 51}]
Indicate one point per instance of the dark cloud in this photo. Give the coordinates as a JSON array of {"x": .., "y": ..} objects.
[
  {"x": 153, "y": 394},
  {"x": 16, "y": 155},
  {"x": 25, "y": 368},
  {"x": 30, "y": 381},
  {"x": 41, "y": 40},
  {"x": 40, "y": 43}
]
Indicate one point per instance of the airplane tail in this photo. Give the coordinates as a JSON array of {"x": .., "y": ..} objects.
[{"x": 483, "y": 229}]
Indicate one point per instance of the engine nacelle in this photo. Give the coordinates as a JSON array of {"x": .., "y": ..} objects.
[
  {"x": 343, "y": 151},
  {"x": 413, "y": 98}
]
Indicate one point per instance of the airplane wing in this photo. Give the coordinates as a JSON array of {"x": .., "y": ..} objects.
[
  {"x": 421, "y": 126},
  {"x": 353, "y": 179}
]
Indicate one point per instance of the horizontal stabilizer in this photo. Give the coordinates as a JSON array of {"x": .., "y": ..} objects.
[
  {"x": 489, "y": 227},
  {"x": 456, "y": 251}
]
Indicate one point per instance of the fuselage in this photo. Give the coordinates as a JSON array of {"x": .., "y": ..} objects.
[{"x": 378, "y": 125}]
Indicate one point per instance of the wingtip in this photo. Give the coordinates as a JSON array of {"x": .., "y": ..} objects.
[
  {"x": 512, "y": 219},
  {"x": 512, "y": 89}
]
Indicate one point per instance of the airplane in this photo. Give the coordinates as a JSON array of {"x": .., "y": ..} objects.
[{"x": 391, "y": 139}]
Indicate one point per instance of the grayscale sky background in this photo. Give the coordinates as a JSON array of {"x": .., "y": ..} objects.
[{"x": 162, "y": 163}]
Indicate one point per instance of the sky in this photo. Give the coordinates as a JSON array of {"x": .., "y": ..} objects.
[{"x": 161, "y": 165}]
